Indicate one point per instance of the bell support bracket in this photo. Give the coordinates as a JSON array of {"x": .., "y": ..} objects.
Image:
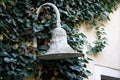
[{"x": 59, "y": 48}]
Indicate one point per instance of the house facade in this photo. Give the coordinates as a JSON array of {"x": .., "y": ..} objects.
[{"x": 106, "y": 65}]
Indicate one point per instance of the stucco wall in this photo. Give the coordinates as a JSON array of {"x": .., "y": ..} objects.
[{"x": 110, "y": 56}]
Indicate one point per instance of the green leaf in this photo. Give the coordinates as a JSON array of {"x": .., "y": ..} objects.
[
  {"x": 7, "y": 60},
  {"x": 1, "y": 24},
  {"x": 34, "y": 15},
  {"x": 12, "y": 73},
  {"x": 76, "y": 68},
  {"x": 17, "y": 12},
  {"x": 37, "y": 27},
  {"x": 71, "y": 75}
]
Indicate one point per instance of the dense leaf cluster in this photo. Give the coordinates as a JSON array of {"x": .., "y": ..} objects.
[
  {"x": 18, "y": 29},
  {"x": 63, "y": 69}
]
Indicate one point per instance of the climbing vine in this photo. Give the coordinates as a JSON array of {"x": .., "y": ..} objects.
[{"x": 19, "y": 59}]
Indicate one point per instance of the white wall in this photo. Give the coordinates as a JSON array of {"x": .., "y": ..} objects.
[
  {"x": 101, "y": 70},
  {"x": 110, "y": 57}
]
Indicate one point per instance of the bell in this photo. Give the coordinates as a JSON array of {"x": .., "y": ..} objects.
[{"x": 59, "y": 48}]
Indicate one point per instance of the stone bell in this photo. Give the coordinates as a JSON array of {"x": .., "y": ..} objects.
[{"x": 59, "y": 48}]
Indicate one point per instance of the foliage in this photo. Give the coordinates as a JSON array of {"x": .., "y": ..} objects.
[
  {"x": 63, "y": 69},
  {"x": 99, "y": 42},
  {"x": 18, "y": 58}
]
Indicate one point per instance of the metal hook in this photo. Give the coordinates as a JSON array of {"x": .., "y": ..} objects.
[{"x": 56, "y": 11}]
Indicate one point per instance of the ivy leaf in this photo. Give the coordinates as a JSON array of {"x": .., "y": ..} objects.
[
  {"x": 37, "y": 27},
  {"x": 3, "y": 4},
  {"x": 7, "y": 60},
  {"x": 17, "y": 12},
  {"x": 80, "y": 79},
  {"x": 34, "y": 57},
  {"x": 26, "y": 75},
  {"x": 44, "y": 47},
  {"x": 1, "y": 24},
  {"x": 71, "y": 75},
  {"x": 13, "y": 60},
  {"x": 1, "y": 37},
  {"x": 76, "y": 68},
  {"x": 47, "y": 25},
  {"x": 11, "y": 73},
  {"x": 1, "y": 68},
  {"x": 34, "y": 16}
]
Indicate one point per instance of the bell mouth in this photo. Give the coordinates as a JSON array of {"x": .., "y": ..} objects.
[{"x": 58, "y": 56}]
